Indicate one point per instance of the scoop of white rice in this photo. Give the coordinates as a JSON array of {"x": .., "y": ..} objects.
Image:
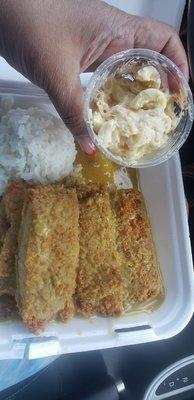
[{"x": 34, "y": 146}]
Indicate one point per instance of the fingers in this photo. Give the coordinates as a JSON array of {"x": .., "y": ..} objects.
[
  {"x": 65, "y": 91},
  {"x": 174, "y": 50},
  {"x": 86, "y": 145},
  {"x": 115, "y": 46}
]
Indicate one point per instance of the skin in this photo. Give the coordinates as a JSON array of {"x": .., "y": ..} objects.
[{"x": 51, "y": 42}]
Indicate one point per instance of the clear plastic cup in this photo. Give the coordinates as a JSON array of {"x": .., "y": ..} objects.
[{"x": 171, "y": 75}]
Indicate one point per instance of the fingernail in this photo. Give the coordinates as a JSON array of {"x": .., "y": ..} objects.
[{"x": 87, "y": 145}]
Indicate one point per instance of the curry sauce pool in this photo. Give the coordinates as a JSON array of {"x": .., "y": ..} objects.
[{"x": 101, "y": 170}]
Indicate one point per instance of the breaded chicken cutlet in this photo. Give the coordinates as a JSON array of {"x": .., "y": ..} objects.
[
  {"x": 10, "y": 217},
  {"x": 99, "y": 281},
  {"x": 117, "y": 265},
  {"x": 135, "y": 246},
  {"x": 6, "y": 286},
  {"x": 102, "y": 246},
  {"x": 47, "y": 255}
]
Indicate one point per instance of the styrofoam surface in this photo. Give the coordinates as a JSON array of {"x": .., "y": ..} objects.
[{"x": 162, "y": 187}]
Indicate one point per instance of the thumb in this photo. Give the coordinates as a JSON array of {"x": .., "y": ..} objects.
[{"x": 67, "y": 96}]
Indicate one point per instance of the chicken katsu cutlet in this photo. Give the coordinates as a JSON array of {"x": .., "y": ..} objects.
[
  {"x": 10, "y": 217},
  {"x": 47, "y": 255},
  {"x": 135, "y": 246},
  {"x": 99, "y": 281},
  {"x": 117, "y": 264},
  {"x": 5, "y": 284}
]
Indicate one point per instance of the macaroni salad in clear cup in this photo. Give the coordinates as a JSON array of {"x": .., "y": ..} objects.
[{"x": 138, "y": 108}]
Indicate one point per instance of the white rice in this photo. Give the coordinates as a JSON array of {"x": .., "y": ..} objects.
[{"x": 34, "y": 146}]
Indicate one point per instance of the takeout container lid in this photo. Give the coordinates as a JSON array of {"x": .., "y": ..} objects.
[{"x": 162, "y": 187}]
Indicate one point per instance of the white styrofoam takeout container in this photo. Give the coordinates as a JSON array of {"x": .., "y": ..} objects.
[{"x": 163, "y": 191}]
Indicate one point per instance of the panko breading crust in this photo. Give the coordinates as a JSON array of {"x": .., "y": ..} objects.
[
  {"x": 135, "y": 246},
  {"x": 99, "y": 281},
  {"x": 10, "y": 217},
  {"x": 48, "y": 256},
  {"x": 117, "y": 266},
  {"x": 102, "y": 246}
]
